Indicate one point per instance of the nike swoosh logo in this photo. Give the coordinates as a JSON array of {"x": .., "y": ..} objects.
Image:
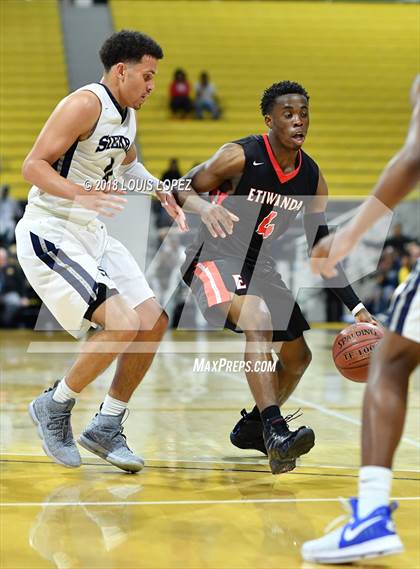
[
  {"x": 351, "y": 534},
  {"x": 257, "y": 163},
  {"x": 390, "y": 526}
]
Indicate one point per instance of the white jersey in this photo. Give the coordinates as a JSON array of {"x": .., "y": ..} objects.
[
  {"x": 404, "y": 312},
  {"x": 89, "y": 161}
]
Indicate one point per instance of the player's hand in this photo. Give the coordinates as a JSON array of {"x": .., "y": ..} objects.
[
  {"x": 329, "y": 251},
  {"x": 171, "y": 207},
  {"x": 218, "y": 220},
  {"x": 105, "y": 200},
  {"x": 365, "y": 316}
]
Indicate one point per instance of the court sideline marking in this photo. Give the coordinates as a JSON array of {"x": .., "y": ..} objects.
[
  {"x": 215, "y": 460},
  {"x": 184, "y": 502},
  {"x": 215, "y": 464}
]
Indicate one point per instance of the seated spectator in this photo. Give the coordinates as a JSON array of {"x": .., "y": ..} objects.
[
  {"x": 386, "y": 281},
  {"x": 10, "y": 212},
  {"x": 12, "y": 290},
  {"x": 179, "y": 92},
  {"x": 173, "y": 172},
  {"x": 405, "y": 268},
  {"x": 413, "y": 250},
  {"x": 205, "y": 98},
  {"x": 398, "y": 240},
  {"x": 162, "y": 220}
]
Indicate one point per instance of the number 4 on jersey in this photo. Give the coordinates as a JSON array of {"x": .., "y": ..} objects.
[{"x": 266, "y": 228}]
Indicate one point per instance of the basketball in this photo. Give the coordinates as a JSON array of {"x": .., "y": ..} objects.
[{"x": 352, "y": 349}]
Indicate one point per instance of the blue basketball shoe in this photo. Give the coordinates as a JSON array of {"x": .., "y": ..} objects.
[{"x": 361, "y": 538}]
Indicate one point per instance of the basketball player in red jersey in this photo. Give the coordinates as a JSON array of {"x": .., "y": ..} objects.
[
  {"x": 370, "y": 532},
  {"x": 263, "y": 182}
]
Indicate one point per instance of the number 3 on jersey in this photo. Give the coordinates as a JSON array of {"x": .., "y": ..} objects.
[{"x": 266, "y": 228}]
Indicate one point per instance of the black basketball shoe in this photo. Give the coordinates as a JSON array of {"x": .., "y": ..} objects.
[
  {"x": 285, "y": 446},
  {"x": 248, "y": 433}
]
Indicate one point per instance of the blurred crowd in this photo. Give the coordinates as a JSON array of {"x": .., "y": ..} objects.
[
  {"x": 19, "y": 304},
  {"x": 166, "y": 279},
  {"x": 399, "y": 256}
]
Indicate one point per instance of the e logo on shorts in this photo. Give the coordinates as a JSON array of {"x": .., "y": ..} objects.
[{"x": 239, "y": 282}]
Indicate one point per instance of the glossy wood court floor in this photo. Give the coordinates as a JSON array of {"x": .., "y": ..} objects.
[{"x": 199, "y": 502}]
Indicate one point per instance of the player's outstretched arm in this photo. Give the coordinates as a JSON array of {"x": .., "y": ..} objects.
[
  {"x": 73, "y": 119},
  {"x": 397, "y": 180},
  {"x": 227, "y": 163},
  {"x": 316, "y": 228}
]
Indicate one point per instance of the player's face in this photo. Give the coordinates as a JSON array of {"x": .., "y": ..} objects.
[
  {"x": 289, "y": 120},
  {"x": 138, "y": 81}
]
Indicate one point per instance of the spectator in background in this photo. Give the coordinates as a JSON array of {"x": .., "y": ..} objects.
[
  {"x": 408, "y": 260},
  {"x": 179, "y": 92},
  {"x": 413, "y": 249},
  {"x": 398, "y": 240},
  {"x": 12, "y": 290},
  {"x": 205, "y": 97},
  {"x": 405, "y": 268},
  {"x": 173, "y": 172},
  {"x": 386, "y": 281},
  {"x": 10, "y": 213},
  {"x": 162, "y": 219}
]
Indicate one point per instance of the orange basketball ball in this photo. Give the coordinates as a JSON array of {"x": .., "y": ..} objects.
[{"x": 352, "y": 349}]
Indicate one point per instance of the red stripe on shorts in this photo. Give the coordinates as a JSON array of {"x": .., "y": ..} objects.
[{"x": 214, "y": 287}]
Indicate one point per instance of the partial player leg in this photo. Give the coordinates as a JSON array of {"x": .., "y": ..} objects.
[
  {"x": 132, "y": 366},
  {"x": 104, "y": 434},
  {"x": 120, "y": 327},
  {"x": 51, "y": 410},
  {"x": 294, "y": 358},
  {"x": 384, "y": 406},
  {"x": 371, "y": 531},
  {"x": 251, "y": 314}
]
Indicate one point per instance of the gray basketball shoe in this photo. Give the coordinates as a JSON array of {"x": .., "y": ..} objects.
[
  {"x": 52, "y": 420},
  {"x": 104, "y": 437}
]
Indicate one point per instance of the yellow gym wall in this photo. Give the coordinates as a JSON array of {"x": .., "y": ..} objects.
[
  {"x": 356, "y": 60},
  {"x": 33, "y": 79}
]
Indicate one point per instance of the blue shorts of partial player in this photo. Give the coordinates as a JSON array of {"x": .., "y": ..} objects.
[{"x": 404, "y": 312}]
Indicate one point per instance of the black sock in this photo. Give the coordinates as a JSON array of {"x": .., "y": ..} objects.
[
  {"x": 272, "y": 416},
  {"x": 255, "y": 414}
]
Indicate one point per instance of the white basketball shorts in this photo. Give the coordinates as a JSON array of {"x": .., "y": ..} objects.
[
  {"x": 404, "y": 313},
  {"x": 69, "y": 265}
]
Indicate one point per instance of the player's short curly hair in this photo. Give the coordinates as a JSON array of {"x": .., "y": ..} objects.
[
  {"x": 277, "y": 90},
  {"x": 128, "y": 45}
]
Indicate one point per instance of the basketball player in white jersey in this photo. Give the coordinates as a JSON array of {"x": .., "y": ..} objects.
[
  {"x": 84, "y": 276},
  {"x": 371, "y": 531}
]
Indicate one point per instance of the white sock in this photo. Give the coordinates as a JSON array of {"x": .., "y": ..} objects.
[
  {"x": 113, "y": 406},
  {"x": 374, "y": 488},
  {"x": 63, "y": 392}
]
